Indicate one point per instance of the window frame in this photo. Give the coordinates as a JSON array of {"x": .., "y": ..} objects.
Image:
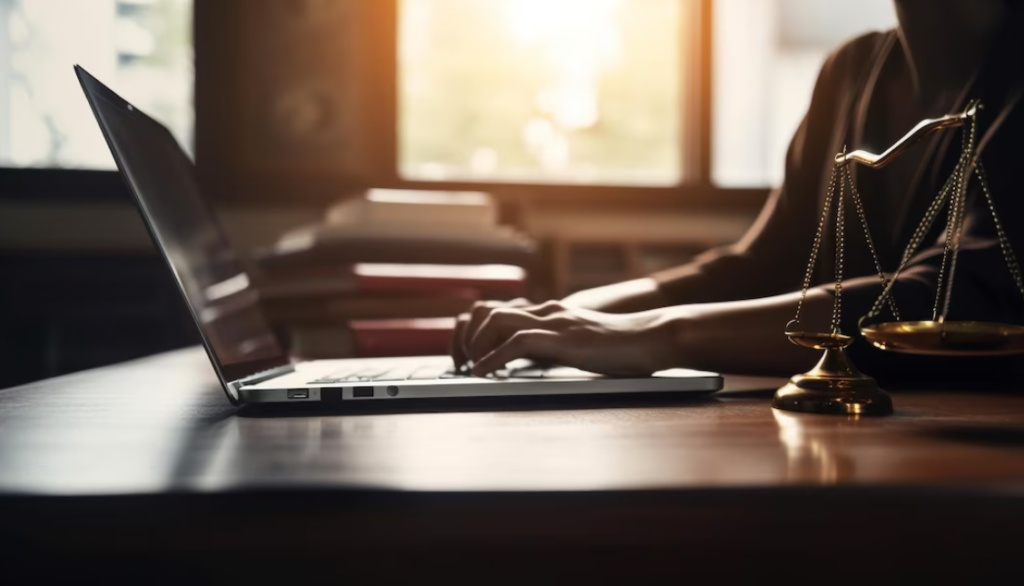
[{"x": 61, "y": 185}]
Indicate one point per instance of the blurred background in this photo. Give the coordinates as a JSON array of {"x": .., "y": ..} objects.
[{"x": 617, "y": 136}]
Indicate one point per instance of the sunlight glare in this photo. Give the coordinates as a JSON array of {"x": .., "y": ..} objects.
[
  {"x": 579, "y": 41},
  {"x": 577, "y": 91}
]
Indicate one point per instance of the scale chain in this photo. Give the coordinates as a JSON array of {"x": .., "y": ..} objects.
[
  {"x": 837, "y": 304},
  {"x": 859, "y": 205},
  {"x": 954, "y": 230},
  {"x": 826, "y": 210},
  {"x": 915, "y": 243},
  {"x": 1004, "y": 241},
  {"x": 953, "y": 203},
  {"x": 926, "y": 223}
]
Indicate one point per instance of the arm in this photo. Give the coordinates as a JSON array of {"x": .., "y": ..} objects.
[
  {"x": 733, "y": 336},
  {"x": 625, "y": 297},
  {"x": 747, "y": 335}
]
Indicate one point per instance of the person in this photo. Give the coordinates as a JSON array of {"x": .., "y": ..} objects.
[{"x": 727, "y": 310}]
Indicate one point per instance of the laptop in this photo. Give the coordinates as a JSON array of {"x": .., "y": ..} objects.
[{"x": 251, "y": 362}]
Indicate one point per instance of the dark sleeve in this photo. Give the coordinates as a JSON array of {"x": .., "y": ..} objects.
[
  {"x": 763, "y": 263},
  {"x": 771, "y": 258}
]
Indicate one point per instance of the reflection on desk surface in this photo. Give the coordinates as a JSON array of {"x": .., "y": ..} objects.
[{"x": 162, "y": 423}]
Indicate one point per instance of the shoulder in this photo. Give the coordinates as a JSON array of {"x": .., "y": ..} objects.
[
  {"x": 850, "y": 59},
  {"x": 844, "y": 70},
  {"x": 864, "y": 45}
]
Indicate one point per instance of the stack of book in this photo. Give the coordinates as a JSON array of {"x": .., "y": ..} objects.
[{"x": 385, "y": 274}]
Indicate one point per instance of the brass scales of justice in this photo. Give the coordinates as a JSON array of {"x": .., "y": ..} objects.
[{"x": 835, "y": 386}]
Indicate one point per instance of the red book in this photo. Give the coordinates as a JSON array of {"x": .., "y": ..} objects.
[
  {"x": 488, "y": 281},
  {"x": 373, "y": 338},
  {"x": 402, "y": 337},
  {"x": 342, "y": 308}
]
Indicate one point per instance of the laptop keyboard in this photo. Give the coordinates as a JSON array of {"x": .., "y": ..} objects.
[
  {"x": 403, "y": 372},
  {"x": 389, "y": 374}
]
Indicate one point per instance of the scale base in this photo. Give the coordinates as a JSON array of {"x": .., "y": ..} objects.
[{"x": 833, "y": 387}]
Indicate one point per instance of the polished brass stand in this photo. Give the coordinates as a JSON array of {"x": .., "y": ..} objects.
[{"x": 834, "y": 386}]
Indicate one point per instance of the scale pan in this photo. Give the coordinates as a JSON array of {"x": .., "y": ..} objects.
[
  {"x": 819, "y": 340},
  {"x": 951, "y": 338}
]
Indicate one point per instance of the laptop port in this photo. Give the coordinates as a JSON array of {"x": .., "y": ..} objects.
[
  {"x": 298, "y": 393},
  {"x": 362, "y": 392}
]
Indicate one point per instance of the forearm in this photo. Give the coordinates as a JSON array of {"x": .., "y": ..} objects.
[
  {"x": 626, "y": 297},
  {"x": 733, "y": 336},
  {"x": 743, "y": 336}
]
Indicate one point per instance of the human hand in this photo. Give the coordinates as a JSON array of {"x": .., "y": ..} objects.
[
  {"x": 472, "y": 319},
  {"x": 612, "y": 344}
]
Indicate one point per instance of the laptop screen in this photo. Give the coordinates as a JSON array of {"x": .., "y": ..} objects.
[{"x": 205, "y": 266}]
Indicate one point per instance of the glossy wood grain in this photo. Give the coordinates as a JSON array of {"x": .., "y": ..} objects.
[{"x": 162, "y": 424}]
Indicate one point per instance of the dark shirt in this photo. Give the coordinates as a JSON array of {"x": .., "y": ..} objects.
[{"x": 855, "y": 85}]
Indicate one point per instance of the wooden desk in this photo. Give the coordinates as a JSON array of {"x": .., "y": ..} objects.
[{"x": 147, "y": 460}]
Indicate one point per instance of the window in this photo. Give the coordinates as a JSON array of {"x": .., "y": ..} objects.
[
  {"x": 542, "y": 91},
  {"x": 142, "y": 48},
  {"x": 672, "y": 100},
  {"x": 595, "y": 91},
  {"x": 767, "y": 54}
]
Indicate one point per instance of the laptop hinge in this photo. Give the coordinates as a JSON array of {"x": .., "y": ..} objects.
[{"x": 259, "y": 377}]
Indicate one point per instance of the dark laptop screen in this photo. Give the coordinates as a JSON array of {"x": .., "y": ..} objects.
[{"x": 181, "y": 222}]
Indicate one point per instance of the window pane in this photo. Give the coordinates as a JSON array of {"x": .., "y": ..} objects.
[
  {"x": 767, "y": 54},
  {"x": 141, "y": 48},
  {"x": 553, "y": 91}
]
